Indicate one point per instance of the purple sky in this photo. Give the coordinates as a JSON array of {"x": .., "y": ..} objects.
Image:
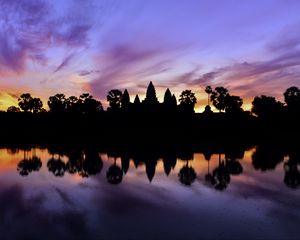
[{"x": 251, "y": 47}]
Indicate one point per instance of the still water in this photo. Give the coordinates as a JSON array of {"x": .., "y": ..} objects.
[{"x": 49, "y": 193}]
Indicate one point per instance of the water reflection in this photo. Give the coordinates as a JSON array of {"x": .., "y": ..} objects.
[
  {"x": 88, "y": 162},
  {"x": 291, "y": 172},
  {"x": 114, "y": 174},
  {"x": 266, "y": 157},
  {"x": 187, "y": 174},
  {"x": 85, "y": 163},
  {"x": 85, "y": 192},
  {"x": 28, "y": 164}
]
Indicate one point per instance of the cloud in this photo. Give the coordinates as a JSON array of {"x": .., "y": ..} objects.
[
  {"x": 19, "y": 38},
  {"x": 7, "y": 100},
  {"x": 121, "y": 61},
  {"x": 65, "y": 62},
  {"x": 74, "y": 34},
  {"x": 87, "y": 72},
  {"x": 187, "y": 77},
  {"x": 287, "y": 40},
  {"x": 269, "y": 76},
  {"x": 29, "y": 28}
]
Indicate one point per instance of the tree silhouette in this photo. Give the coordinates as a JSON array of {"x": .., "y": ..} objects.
[
  {"x": 57, "y": 103},
  {"x": 25, "y": 102},
  {"x": 29, "y": 104},
  {"x": 89, "y": 105},
  {"x": 266, "y": 107},
  {"x": 219, "y": 98},
  {"x": 73, "y": 104},
  {"x": 36, "y": 105},
  {"x": 187, "y": 101},
  {"x": 13, "y": 109},
  {"x": 114, "y": 97},
  {"x": 233, "y": 104},
  {"x": 209, "y": 91},
  {"x": 292, "y": 98},
  {"x": 151, "y": 95}
]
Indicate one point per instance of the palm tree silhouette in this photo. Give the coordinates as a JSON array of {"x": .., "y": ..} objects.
[
  {"x": 221, "y": 175},
  {"x": 209, "y": 91}
]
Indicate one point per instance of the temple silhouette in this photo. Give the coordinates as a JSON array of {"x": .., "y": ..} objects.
[{"x": 148, "y": 122}]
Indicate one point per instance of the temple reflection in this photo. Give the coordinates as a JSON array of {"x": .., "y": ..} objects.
[
  {"x": 228, "y": 162},
  {"x": 114, "y": 175}
]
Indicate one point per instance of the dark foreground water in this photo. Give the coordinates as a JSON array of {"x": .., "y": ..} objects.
[{"x": 85, "y": 194}]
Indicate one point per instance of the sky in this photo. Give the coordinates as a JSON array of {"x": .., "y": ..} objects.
[{"x": 251, "y": 47}]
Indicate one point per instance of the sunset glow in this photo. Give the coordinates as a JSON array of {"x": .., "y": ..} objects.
[{"x": 48, "y": 47}]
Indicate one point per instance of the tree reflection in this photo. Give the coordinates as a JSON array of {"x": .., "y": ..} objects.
[
  {"x": 209, "y": 178},
  {"x": 234, "y": 167},
  {"x": 84, "y": 162},
  {"x": 187, "y": 174},
  {"x": 75, "y": 161},
  {"x": 28, "y": 165},
  {"x": 56, "y": 166},
  {"x": 266, "y": 157},
  {"x": 92, "y": 164},
  {"x": 291, "y": 172},
  {"x": 88, "y": 162},
  {"x": 221, "y": 175}
]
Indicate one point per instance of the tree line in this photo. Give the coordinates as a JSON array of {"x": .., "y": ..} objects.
[{"x": 262, "y": 106}]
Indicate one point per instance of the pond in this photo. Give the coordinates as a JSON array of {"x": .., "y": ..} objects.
[{"x": 73, "y": 193}]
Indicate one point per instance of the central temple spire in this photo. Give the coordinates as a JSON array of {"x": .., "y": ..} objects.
[{"x": 151, "y": 94}]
